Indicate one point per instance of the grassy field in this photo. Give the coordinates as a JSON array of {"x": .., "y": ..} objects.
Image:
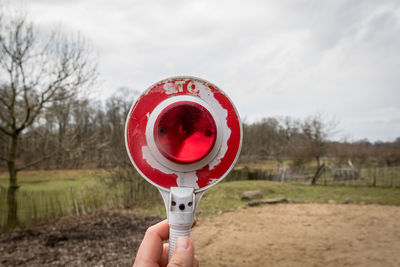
[
  {"x": 53, "y": 179},
  {"x": 52, "y": 194},
  {"x": 47, "y": 195},
  {"x": 226, "y": 196},
  {"x": 332, "y": 176}
]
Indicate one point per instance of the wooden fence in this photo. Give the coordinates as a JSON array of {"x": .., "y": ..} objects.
[
  {"x": 371, "y": 176},
  {"x": 37, "y": 206}
]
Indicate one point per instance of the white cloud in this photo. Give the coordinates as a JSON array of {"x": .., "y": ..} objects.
[{"x": 273, "y": 58}]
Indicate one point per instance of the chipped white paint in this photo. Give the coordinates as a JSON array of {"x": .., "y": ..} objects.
[
  {"x": 180, "y": 85},
  {"x": 187, "y": 179},
  {"x": 208, "y": 97},
  {"x": 147, "y": 156},
  {"x": 213, "y": 181},
  {"x": 170, "y": 89},
  {"x": 186, "y": 174},
  {"x": 193, "y": 87}
]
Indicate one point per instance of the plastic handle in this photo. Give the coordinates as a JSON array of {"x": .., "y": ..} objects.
[
  {"x": 176, "y": 231},
  {"x": 181, "y": 210}
]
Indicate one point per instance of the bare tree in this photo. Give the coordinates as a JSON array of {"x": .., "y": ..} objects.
[
  {"x": 316, "y": 131},
  {"x": 288, "y": 131},
  {"x": 117, "y": 108},
  {"x": 32, "y": 75},
  {"x": 60, "y": 114}
]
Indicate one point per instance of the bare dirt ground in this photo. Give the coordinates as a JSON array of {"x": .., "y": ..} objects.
[
  {"x": 301, "y": 235},
  {"x": 102, "y": 239},
  {"x": 276, "y": 235}
]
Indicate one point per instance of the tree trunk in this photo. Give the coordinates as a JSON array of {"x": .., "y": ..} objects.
[
  {"x": 318, "y": 172},
  {"x": 60, "y": 154},
  {"x": 13, "y": 185}
]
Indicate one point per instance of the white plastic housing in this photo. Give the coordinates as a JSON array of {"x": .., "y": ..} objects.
[{"x": 168, "y": 163}]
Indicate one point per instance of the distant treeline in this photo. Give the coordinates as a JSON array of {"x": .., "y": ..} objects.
[
  {"x": 79, "y": 133},
  {"x": 301, "y": 141},
  {"x": 76, "y": 133}
]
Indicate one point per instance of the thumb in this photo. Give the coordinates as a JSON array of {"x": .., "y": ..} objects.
[{"x": 183, "y": 255}]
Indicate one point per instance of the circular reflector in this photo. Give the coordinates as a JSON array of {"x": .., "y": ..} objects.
[{"x": 185, "y": 132}]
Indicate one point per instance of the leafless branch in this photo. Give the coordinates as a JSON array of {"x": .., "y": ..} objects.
[
  {"x": 35, "y": 162},
  {"x": 34, "y": 74}
]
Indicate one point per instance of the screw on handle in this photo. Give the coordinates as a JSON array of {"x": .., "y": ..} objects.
[{"x": 176, "y": 231}]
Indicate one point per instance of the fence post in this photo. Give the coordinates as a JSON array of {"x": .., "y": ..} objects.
[
  {"x": 374, "y": 180},
  {"x": 390, "y": 174},
  {"x": 75, "y": 201}
]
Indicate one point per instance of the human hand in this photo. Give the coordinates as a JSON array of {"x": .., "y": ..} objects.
[{"x": 152, "y": 251}]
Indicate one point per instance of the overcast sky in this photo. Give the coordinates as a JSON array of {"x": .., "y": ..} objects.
[{"x": 273, "y": 58}]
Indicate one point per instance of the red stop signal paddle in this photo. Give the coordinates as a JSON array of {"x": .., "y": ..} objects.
[{"x": 183, "y": 135}]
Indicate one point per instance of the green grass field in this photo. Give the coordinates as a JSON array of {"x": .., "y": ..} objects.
[
  {"x": 53, "y": 179},
  {"x": 51, "y": 194},
  {"x": 226, "y": 196},
  {"x": 47, "y": 195}
]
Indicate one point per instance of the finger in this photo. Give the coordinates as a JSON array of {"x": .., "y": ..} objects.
[
  {"x": 183, "y": 255},
  {"x": 164, "y": 257},
  {"x": 151, "y": 248},
  {"x": 196, "y": 261}
]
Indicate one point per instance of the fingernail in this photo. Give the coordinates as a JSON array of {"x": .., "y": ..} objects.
[{"x": 182, "y": 243}]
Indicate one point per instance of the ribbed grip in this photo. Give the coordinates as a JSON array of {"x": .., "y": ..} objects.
[{"x": 176, "y": 231}]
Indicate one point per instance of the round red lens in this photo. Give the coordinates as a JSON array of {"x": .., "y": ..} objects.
[{"x": 185, "y": 132}]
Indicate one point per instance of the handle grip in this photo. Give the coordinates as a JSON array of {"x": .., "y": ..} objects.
[
  {"x": 180, "y": 203},
  {"x": 181, "y": 209},
  {"x": 176, "y": 231}
]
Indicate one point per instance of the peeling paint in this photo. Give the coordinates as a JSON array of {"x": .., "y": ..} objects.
[
  {"x": 188, "y": 179},
  {"x": 213, "y": 181},
  {"x": 208, "y": 96},
  {"x": 148, "y": 157}
]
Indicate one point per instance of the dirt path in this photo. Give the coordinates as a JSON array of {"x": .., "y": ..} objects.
[{"x": 301, "y": 235}]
